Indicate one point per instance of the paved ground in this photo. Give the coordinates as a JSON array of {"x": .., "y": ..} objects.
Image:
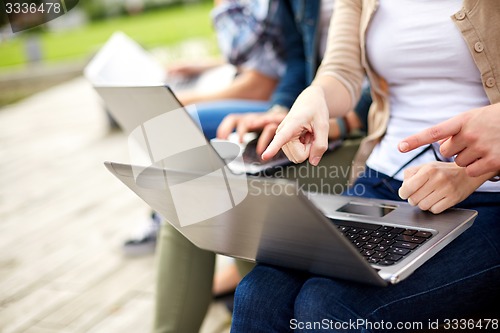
[{"x": 63, "y": 218}]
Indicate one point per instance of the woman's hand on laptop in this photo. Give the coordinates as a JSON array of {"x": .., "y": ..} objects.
[
  {"x": 437, "y": 186},
  {"x": 303, "y": 134}
]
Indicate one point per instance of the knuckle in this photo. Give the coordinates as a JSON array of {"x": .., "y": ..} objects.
[
  {"x": 444, "y": 149},
  {"x": 496, "y": 163},
  {"x": 408, "y": 187},
  {"x": 459, "y": 160},
  {"x": 408, "y": 172},
  {"x": 323, "y": 125},
  {"x": 481, "y": 151},
  {"x": 438, "y": 208},
  {"x": 471, "y": 137},
  {"x": 428, "y": 169},
  {"x": 322, "y": 147},
  {"x": 435, "y": 133},
  {"x": 423, "y": 205},
  {"x": 434, "y": 210},
  {"x": 230, "y": 117}
]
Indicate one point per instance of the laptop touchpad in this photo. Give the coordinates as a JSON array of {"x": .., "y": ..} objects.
[{"x": 365, "y": 209}]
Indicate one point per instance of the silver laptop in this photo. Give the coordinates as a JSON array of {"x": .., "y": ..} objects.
[
  {"x": 122, "y": 61},
  {"x": 272, "y": 221},
  {"x": 147, "y": 110}
]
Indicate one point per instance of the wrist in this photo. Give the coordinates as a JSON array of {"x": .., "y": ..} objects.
[
  {"x": 343, "y": 127},
  {"x": 278, "y": 109},
  {"x": 480, "y": 180}
]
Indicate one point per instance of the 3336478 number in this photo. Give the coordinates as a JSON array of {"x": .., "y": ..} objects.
[
  {"x": 33, "y": 8},
  {"x": 470, "y": 324}
]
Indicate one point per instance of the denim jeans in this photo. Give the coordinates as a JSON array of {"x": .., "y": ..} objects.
[{"x": 460, "y": 281}]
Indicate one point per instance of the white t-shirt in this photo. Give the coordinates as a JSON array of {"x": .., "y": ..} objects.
[
  {"x": 432, "y": 77},
  {"x": 325, "y": 15}
]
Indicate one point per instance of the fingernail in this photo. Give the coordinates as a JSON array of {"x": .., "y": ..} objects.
[
  {"x": 411, "y": 202},
  {"x": 315, "y": 161},
  {"x": 403, "y": 146}
]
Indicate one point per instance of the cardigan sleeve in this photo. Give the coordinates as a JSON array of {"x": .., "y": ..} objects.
[{"x": 342, "y": 58}]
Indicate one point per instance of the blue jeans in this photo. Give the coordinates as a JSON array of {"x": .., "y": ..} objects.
[
  {"x": 460, "y": 281},
  {"x": 210, "y": 114}
]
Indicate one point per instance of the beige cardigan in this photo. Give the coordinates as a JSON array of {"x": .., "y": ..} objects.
[{"x": 345, "y": 58}]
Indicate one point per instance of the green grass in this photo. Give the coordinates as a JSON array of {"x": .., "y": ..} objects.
[{"x": 162, "y": 27}]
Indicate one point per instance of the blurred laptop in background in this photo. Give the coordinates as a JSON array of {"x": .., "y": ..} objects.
[{"x": 123, "y": 62}]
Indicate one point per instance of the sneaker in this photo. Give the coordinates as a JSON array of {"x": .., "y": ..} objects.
[{"x": 145, "y": 242}]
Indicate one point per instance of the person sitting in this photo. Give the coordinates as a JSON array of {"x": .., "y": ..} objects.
[
  {"x": 424, "y": 68},
  {"x": 185, "y": 272},
  {"x": 259, "y": 68}
]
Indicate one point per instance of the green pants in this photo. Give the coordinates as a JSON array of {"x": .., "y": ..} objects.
[{"x": 183, "y": 283}]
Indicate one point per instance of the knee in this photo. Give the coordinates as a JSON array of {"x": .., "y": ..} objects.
[
  {"x": 246, "y": 293},
  {"x": 253, "y": 291},
  {"x": 252, "y": 305},
  {"x": 322, "y": 301},
  {"x": 310, "y": 301},
  {"x": 264, "y": 300}
]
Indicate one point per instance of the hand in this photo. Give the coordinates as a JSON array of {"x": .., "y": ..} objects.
[
  {"x": 250, "y": 122},
  {"x": 188, "y": 69},
  {"x": 437, "y": 186},
  {"x": 473, "y": 136},
  {"x": 303, "y": 134}
]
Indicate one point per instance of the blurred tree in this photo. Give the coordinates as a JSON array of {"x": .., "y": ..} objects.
[{"x": 99, "y": 9}]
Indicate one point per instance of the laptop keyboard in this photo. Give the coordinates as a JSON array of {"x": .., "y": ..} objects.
[{"x": 382, "y": 245}]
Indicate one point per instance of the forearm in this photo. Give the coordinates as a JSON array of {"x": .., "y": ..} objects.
[
  {"x": 249, "y": 85},
  {"x": 337, "y": 97}
]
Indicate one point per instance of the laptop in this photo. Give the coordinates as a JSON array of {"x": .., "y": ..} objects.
[
  {"x": 134, "y": 106},
  {"x": 122, "y": 61},
  {"x": 271, "y": 221}
]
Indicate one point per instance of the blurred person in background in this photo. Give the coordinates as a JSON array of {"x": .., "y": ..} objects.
[
  {"x": 185, "y": 272},
  {"x": 434, "y": 69},
  {"x": 248, "y": 43}
]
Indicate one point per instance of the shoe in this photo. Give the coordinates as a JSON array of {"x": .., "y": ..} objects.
[{"x": 145, "y": 242}]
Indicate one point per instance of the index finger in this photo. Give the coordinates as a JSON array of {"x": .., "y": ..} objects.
[
  {"x": 226, "y": 126},
  {"x": 265, "y": 137},
  {"x": 435, "y": 133},
  {"x": 283, "y": 136}
]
